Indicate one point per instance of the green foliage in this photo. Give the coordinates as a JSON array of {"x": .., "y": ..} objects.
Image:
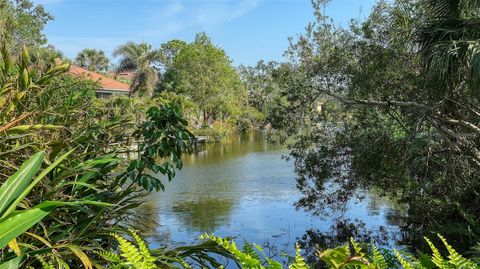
[
  {"x": 12, "y": 193},
  {"x": 203, "y": 72},
  {"x": 377, "y": 258},
  {"x": 217, "y": 132},
  {"x": 262, "y": 83},
  {"x": 169, "y": 50},
  {"x": 22, "y": 22},
  {"x": 398, "y": 114},
  {"x": 45, "y": 110},
  {"x": 131, "y": 256},
  {"x": 250, "y": 258},
  {"x": 299, "y": 261},
  {"x": 342, "y": 257},
  {"x": 45, "y": 264},
  {"x": 350, "y": 255},
  {"x": 139, "y": 58},
  {"x": 164, "y": 136},
  {"x": 92, "y": 59},
  {"x": 249, "y": 118}
]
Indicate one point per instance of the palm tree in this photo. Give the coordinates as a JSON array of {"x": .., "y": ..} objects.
[
  {"x": 92, "y": 59},
  {"x": 450, "y": 42},
  {"x": 139, "y": 58}
]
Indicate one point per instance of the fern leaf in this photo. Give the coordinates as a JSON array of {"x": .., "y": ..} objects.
[
  {"x": 45, "y": 264},
  {"x": 356, "y": 248},
  {"x": 405, "y": 264},
  {"x": 299, "y": 260},
  {"x": 129, "y": 252},
  {"x": 437, "y": 258},
  {"x": 148, "y": 259},
  {"x": 377, "y": 258},
  {"x": 249, "y": 249},
  {"x": 109, "y": 256},
  {"x": 246, "y": 260},
  {"x": 455, "y": 258},
  {"x": 336, "y": 257}
]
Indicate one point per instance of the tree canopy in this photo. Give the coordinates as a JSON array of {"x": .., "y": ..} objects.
[
  {"x": 400, "y": 87},
  {"x": 23, "y": 22},
  {"x": 92, "y": 59},
  {"x": 203, "y": 72},
  {"x": 140, "y": 59}
]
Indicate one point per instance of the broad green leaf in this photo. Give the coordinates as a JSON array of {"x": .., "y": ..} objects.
[
  {"x": 25, "y": 191},
  {"x": 15, "y": 185},
  {"x": 11, "y": 264},
  {"x": 19, "y": 223}
]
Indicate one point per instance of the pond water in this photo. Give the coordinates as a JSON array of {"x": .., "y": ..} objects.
[{"x": 244, "y": 188}]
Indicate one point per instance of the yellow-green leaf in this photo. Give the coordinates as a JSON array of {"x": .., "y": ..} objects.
[
  {"x": 16, "y": 184},
  {"x": 19, "y": 223},
  {"x": 13, "y": 245}
]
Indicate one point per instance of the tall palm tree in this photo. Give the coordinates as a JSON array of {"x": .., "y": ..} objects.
[
  {"x": 139, "y": 58},
  {"x": 92, "y": 59}
]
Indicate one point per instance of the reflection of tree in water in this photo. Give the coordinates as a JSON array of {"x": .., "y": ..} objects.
[
  {"x": 339, "y": 233},
  {"x": 324, "y": 180},
  {"x": 233, "y": 147},
  {"x": 329, "y": 189},
  {"x": 204, "y": 215},
  {"x": 145, "y": 219}
]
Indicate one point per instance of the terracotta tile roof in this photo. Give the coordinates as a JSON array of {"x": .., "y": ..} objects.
[
  {"x": 105, "y": 82},
  {"x": 126, "y": 75}
]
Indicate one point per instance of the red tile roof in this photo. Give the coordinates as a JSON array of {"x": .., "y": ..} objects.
[{"x": 105, "y": 82}]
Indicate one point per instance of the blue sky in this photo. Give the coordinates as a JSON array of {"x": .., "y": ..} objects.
[{"x": 248, "y": 30}]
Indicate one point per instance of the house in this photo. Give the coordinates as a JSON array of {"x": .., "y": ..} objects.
[
  {"x": 108, "y": 86},
  {"x": 124, "y": 75}
]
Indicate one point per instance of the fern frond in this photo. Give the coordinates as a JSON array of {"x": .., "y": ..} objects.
[
  {"x": 45, "y": 264},
  {"x": 129, "y": 252},
  {"x": 356, "y": 248},
  {"x": 455, "y": 258},
  {"x": 148, "y": 260},
  {"x": 246, "y": 260},
  {"x": 405, "y": 264},
  {"x": 335, "y": 257},
  {"x": 249, "y": 249},
  {"x": 437, "y": 258},
  {"x": 299, "y": 260},
  {"x": 377, "y": 258},
  {"x": 109, "y": 256}
]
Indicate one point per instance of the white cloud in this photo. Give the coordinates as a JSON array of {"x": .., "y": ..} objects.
[
  {"x": 162, "y": 21},
  {"x": 244, "y": 7},
  {"x": 201, "y": 14},
  {"x": 213, "y": 14}
]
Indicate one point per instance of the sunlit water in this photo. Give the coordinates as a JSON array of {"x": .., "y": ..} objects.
[{"x": 244, "y": 188}]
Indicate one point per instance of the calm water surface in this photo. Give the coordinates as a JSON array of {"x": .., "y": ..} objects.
[{"x": 244, "y": 188}]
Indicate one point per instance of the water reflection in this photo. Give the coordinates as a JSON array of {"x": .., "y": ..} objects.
[
  {"x": 232, "y": 148},
  {"x": 206, "y": 214},
  {"x": 244, "y": 188}
]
